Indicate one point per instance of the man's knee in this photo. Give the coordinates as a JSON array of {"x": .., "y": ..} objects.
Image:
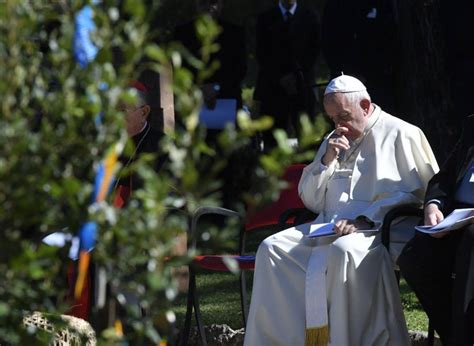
[
  {"x": 342, "y": 246},
  {"x": 349, "y": 244},
  {"x": 410, "y": 256},
  {"x": 265, "y": 246},
  {"x": 424, "y": 255}
]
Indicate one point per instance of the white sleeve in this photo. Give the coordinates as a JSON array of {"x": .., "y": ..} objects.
[
  {"x": 416, "y": 164},
  {"x": 313, "y": 182}
]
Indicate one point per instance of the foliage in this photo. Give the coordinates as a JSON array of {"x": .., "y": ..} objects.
[{"x": 57, "y": 122}]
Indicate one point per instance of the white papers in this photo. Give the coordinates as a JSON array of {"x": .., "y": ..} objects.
[
  {"x": 457, "y": 219},
  {"x": 223, "y": 113},
  {"x": 327, "y": 229},
  {"x": 321, "y": 230}
]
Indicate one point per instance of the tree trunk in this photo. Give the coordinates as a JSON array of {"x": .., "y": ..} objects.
[{"x": 423, "y": 87}]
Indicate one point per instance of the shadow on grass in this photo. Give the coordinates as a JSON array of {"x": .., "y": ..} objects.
[
  {"x": 220, "y": 299},
  {"x": 220, "y": 302}
]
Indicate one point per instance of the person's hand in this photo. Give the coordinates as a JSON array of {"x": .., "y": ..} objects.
[
  {"x": 209, "y": 94},
  {"x": 434, "y": 216},
  {"x": 288, "y": 82},
  {"x": 336, "y": 143},
  {"x": 344, "y": 226}
]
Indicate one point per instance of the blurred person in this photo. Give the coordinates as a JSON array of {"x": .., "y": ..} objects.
[
  {"x": 145, "y": 137},
  {"x": 226, "y": 81},
  {"x": 288, "y": 44}
]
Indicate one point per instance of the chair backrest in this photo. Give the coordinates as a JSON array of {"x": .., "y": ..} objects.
[{"x": 288, "y": 199}]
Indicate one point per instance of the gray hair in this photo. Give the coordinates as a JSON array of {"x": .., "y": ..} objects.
[{"x": 357, "y": 96}]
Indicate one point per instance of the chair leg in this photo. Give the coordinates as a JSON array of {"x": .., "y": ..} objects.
[
  {"x": 189, "y": 309},
  {"x": 243, "y": 297},
  {"x": 197, "y": 313},
  {"x": 243, "y": 280},
  {"x": 430, "y": 333}
]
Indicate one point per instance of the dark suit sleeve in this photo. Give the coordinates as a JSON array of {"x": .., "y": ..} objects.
[{"x": 443, "y": 185}]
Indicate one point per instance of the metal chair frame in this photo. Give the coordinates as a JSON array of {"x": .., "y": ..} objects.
[
  {"x": 299, "y": 215},
  {"x": 193, "y": 298}
]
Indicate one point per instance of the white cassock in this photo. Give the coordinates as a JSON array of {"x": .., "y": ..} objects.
[{"x": 342, "y": 292}]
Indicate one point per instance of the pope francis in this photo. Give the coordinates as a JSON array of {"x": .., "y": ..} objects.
[{"x": 340, "y": 290}]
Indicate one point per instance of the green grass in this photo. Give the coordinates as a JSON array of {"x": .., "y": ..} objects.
[
  {"x": 220, "y": 298},
  {"x": 220, "y": 302},
  {"x": 414, "y": 314}
]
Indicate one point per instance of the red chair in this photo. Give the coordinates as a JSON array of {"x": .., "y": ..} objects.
[
  {"x": 282, "y": 214},
  {"x": 286, "y": 212},
  {"x": 288, "y": 201}
]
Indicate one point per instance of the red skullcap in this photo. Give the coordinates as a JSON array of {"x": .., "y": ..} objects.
[{"x": 139, "y": 86}]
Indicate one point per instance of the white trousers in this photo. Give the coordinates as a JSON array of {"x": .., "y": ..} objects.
[{"x": 363, "y": 300}]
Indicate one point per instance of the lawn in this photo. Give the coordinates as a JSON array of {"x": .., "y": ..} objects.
[
  {"x": 220, "y": 302},
  {"x": 220, "y": 298}
]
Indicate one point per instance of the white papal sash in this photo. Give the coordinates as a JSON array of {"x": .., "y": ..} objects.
[{"x": 317, "y": 331}]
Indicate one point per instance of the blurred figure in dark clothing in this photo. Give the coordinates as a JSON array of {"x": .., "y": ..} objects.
[
  {"x": 288, "y": 44},
  {"x": 226, "y": 81},
  {"x": 360, "y": 39}
]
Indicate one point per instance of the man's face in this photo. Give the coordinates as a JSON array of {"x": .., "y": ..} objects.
[
  {"x": 211, "y": 7},
  {"x": 135, "y": 118},
  {"x": 354, "y": 117},
  {"x": 135, "y": 121}
]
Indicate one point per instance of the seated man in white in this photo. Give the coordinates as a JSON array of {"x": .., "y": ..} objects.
[{"x": 341, "y": 290}]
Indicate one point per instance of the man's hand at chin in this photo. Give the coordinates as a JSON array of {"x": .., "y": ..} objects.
[{"x": 344, "y": 227}]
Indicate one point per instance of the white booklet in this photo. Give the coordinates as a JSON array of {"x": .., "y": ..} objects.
[
  {"x": 459, "y": 218},
  {"x": 327, "y": 229},
  {"x": 321, "y": 230}
]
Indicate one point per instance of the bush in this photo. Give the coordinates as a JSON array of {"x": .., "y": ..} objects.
[{"x": 59, "y": 120}]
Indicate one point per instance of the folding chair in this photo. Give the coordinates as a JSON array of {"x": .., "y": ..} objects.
[
  {"x": 286, "y": 212},
  {"x": 279, "y": 215},
  {"x": 209, "y": 262},
  {"x": 394, "y": 214}
]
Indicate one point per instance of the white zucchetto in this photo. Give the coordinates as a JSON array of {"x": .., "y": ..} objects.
[{"x": 344, "y": 84}]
